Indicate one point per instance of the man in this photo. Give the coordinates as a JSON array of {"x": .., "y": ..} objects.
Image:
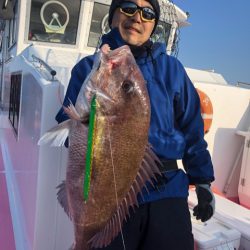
[{"x": 162, "y": 222}]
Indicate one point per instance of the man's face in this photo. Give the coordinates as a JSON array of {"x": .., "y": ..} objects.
[{"x": 133, "y": 29}]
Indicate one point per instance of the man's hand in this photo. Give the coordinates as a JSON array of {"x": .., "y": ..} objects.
[{"x": 206, "y": 202}]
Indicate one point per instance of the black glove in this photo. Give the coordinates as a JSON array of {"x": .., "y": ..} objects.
[{"x": 206, "y": 202}]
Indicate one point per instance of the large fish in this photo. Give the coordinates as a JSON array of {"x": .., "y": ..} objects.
[{"x": 120, "y": 156}]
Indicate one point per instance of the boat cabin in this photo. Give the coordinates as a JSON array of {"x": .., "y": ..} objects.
[{"x": 40, "y": 42}]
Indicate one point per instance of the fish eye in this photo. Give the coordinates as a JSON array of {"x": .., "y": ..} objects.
[{"x": 127, "y": 86}]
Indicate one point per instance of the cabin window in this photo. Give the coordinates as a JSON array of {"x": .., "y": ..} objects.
[
  {"x": 99, "y": 23},
  {"x": 174, "y": 48},
  {"x": 162, "y": 32},
  {"x": 54, "y": 21},
  {"x": 15, "y": 93},
  {"x": 2, "y": 27},
  {"x": 12, "y": 28}
]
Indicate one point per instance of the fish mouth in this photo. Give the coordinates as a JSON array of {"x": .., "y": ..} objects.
[{"x": 105, "y": 103}]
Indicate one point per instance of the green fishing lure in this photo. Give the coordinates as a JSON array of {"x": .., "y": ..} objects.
[{"x": 89, "y": 154}]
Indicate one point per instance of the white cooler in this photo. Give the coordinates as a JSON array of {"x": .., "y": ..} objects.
[
  {"x": 229, "y": 214},
  {"x": 214, "y": 235}
]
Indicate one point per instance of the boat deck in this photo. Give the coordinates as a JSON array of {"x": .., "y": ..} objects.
[{"x": 7, "y": 241}]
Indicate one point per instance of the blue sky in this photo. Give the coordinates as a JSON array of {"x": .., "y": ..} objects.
[{"x": 218, "y": 38}]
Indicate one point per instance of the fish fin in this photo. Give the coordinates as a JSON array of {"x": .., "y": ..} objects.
[
  {"x": 57, "y": 135},
  {"x": 62, "y": 198},
  {"x": 72, "y": 247},
  {"x": 148, "y": 170},
  {"x": 72, "y": 112}
]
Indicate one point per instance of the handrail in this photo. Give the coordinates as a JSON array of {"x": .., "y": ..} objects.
[
  {"x": 8, "y": 59},
  {"x": 47, "y": 67}
]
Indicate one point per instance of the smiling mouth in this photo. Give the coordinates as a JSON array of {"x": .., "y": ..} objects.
[{"x": 133, "y": 29}]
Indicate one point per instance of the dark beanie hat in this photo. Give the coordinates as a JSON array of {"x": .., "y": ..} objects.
[{"x": 116, "y": 3}]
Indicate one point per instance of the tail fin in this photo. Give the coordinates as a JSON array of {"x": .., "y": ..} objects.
[{"x": 57, "y": 135}]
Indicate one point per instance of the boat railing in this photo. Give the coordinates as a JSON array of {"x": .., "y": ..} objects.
[
  {"x": 45, "y": 65},
  {"x": 243, "y": 84}
]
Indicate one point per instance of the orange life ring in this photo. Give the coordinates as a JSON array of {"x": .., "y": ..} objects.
[{"x": 206, "y": 110}]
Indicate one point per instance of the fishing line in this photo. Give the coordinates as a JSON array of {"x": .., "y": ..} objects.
[{"x": 113, "y": 166}]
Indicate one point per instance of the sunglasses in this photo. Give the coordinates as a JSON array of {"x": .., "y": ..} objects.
[{"x": 130, "y": 9}]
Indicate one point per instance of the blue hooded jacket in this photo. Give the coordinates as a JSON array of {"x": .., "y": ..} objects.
[{"x": 176, "y": 126}]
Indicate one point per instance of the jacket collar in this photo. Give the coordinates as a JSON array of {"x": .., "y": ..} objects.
[{"x": 113, "y": 39}]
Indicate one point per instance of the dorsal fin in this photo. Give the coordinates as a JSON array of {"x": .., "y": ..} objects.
[
  {"x": 71, "y": 111},
  {"x": 148, "y": 170}
]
